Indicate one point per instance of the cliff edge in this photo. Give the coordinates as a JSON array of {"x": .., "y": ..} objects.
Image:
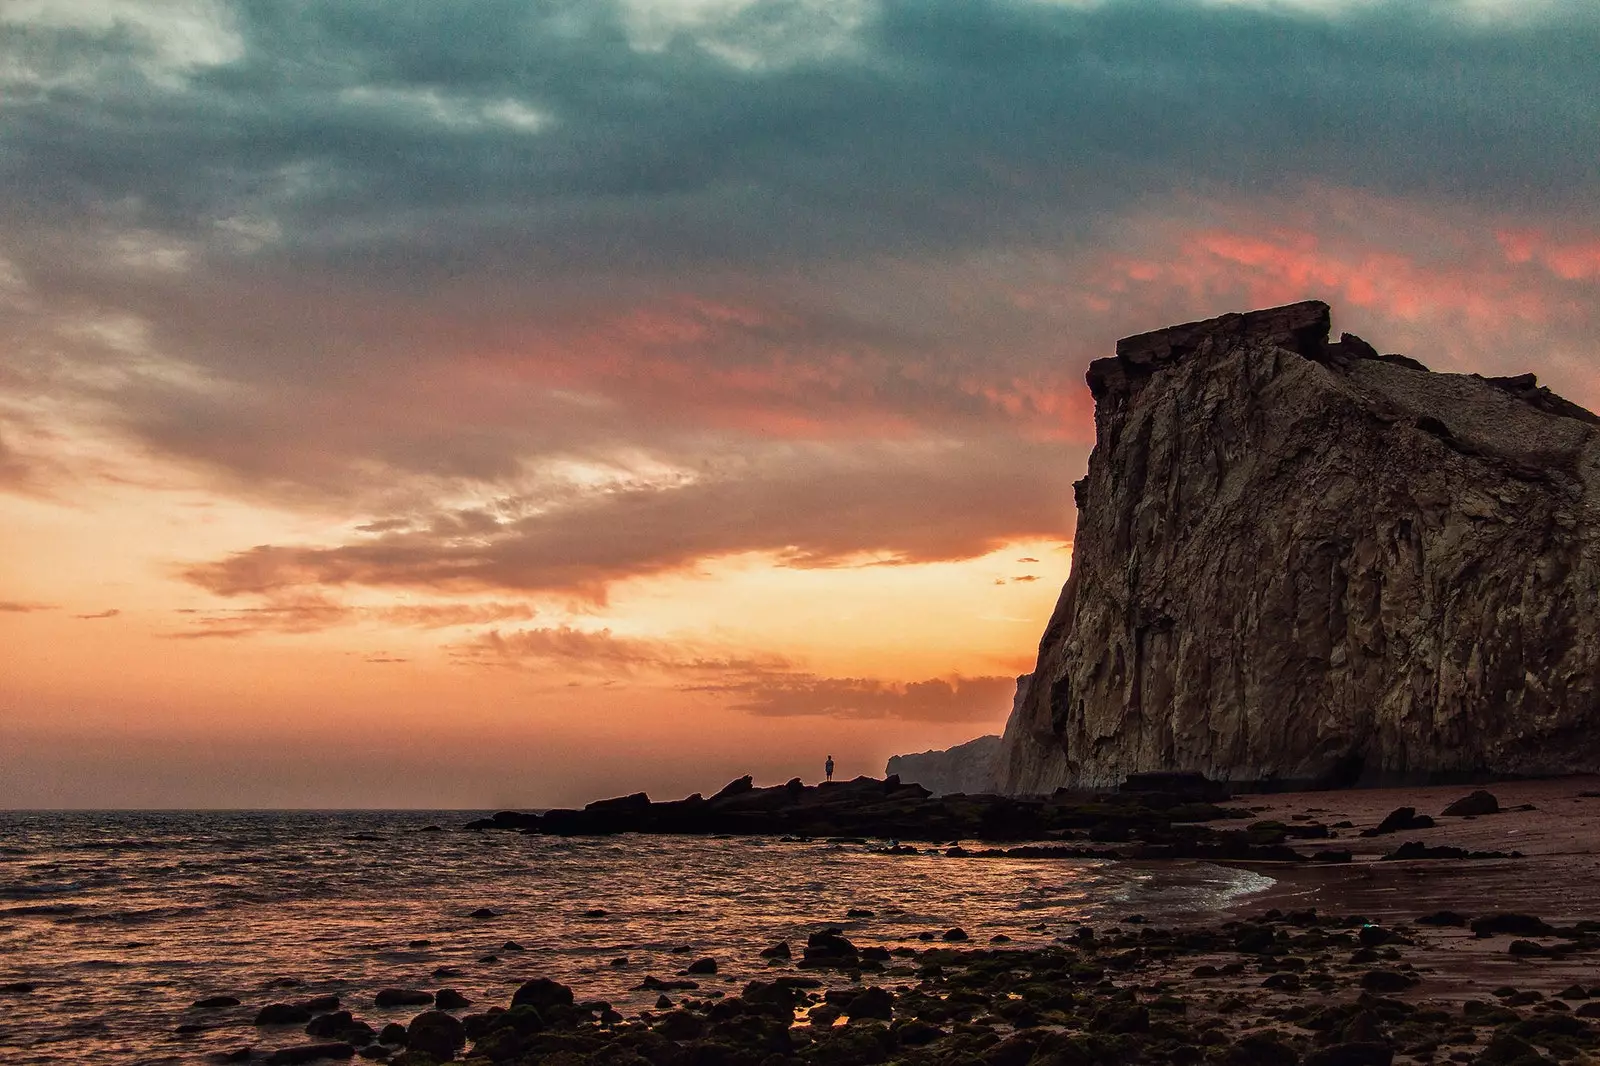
[{"x": 1299, "y": 561}]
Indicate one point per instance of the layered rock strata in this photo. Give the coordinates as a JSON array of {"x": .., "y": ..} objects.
[{"x": 1303, "y": 561}]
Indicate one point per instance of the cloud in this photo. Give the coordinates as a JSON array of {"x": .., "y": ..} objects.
[
  {"x": 112, "y": 613},
  {"x": 302, "y": 612},
  {"x": 960, "y": 699},
  {"x": 760, "y": 684},
  {"x": 810, "y": 506},
  {"x": 17, "y": 607}
]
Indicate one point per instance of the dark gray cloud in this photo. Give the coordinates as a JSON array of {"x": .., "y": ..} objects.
[
  {"x": 415, "y": 141},
  {"x": 380, "y": 257}
]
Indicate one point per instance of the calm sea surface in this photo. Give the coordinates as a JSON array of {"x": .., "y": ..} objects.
[{"x": 123, "y": 919}]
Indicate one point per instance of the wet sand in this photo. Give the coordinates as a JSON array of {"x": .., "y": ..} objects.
[{"x": 1553, "y": 823}]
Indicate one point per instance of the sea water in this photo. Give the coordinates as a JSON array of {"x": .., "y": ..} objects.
[{"x": 121, "y": 920}]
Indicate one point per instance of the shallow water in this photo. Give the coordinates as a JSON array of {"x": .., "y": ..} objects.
[{"x": 123, "y": 919}]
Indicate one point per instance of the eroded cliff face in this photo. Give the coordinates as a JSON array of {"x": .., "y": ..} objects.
[
  {"x": 969, "y": 768},
  {"x": 1303, "y": 561}
]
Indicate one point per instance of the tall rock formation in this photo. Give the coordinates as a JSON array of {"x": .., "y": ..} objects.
[
  {"x": 969, "y": 768},
  {"x": 1307, "y": 562}
]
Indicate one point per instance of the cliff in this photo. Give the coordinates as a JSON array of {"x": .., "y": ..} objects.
[
  {"x": 969, "y": 768},
  {"x": 1303, "y": 561}
]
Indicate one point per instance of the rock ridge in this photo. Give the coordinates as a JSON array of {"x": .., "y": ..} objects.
[{"x": 1301, "y": 560}]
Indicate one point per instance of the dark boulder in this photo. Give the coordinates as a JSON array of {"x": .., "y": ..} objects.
[
  {"x": 542, "y": 993},
  {"x": 319, "y": 1004},
  {"x": 1400, "y": 820},
  {"x": 283, "y": 1014},
  {"x": 450, "y": 999},
  {"x": 872, "y": 1002},
  {"x": 330, "y": 1024},
  {"x": 402, "y": 997},
  {"x": 1479, "y": 803},
  {"x": 703, "y": 966},
  {"x": 1511, "y": 925},
  {"x": 436, "y": 1033}
]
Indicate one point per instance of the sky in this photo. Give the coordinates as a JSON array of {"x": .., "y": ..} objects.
[{"x": 518, "y": 403}]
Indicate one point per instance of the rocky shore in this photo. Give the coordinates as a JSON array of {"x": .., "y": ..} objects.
[
  {"x": 1150, "y": 817},
  {"x": 1409, "y": 951},
  {"x": 1280, "y": 989}
]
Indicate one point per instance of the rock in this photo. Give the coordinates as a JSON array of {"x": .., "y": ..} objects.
[
  {"x": 1365, "y": 1053},
  {"x": 620, "y": 961},
  {"x": 736, "y": 787},
  {"x": 639, "y": 801},
  {"x": 663, "y": 1002},
  {"x": 968, "y": 768},
  {"x": 1386, "y": 981},
  {"x": 283, "y": 1014},
  {"x": 1479, "y": 803},
  {"x": 394, "y": 1034},
  {"x": 779, "y": 950},
  {"x": 1444, "y": 918},
  {"x": 957, "y": 934},
  {"x": 450, "y": 999},
  {"x": 483, "y": 913},
  {"x": 436, "y": 1033},
  {"x": 703, "y": 966},
  {"x": 22, "y": 988},
  {"x": 330, "y": 1024},
  {"x": 1401, "y": 819},
  {"x": 542, "y": 993},
  {"x": 214, "y": 1003},
  {"x": 871, "y": 1002},
  {"x": 320, "y": 1004},
  {"x": 512, "y": 945},
  {"x": 829, "y": 945},
  {"x": 402, "y": 997},
  {"x": 289, "y": 1056},
  {"x": 1511, "y": 925},
  {"x": 1263, "y": 535}
]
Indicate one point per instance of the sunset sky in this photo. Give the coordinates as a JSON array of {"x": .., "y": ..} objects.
[{"x": 516, "y": 403}]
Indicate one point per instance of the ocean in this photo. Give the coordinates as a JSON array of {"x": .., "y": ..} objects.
[{"x": 121, "y": 920}]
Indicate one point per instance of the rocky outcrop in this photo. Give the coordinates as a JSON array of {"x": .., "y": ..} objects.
[
  {"x": 968, "y": 768},
  {"x": 1303, "y": 561}
]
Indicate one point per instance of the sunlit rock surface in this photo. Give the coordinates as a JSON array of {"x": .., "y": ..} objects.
[{"x": 1306, "y": 562}]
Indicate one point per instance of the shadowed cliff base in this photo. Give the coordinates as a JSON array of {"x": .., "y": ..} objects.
[{"x": 1300, "y": 561}]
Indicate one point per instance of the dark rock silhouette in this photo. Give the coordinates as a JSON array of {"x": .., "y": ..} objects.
[
  {"x": 969, "y": 767},
  {"x": 1302, "y": 562}
]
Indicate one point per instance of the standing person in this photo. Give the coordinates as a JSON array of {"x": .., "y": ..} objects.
[{"x": 827, "y": 767}]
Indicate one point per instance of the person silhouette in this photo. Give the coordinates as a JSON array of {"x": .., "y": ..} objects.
[{"x": 827, "y": 768}]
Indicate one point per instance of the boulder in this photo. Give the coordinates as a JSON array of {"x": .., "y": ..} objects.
[
  {"x": 436, "y": 1033},
  {"x": 283, "y": 1014},
  {"x": 1400, "y": 820},
  {"x": 402, "y": 997},
  {"x": 542, "y": 993},
  {"x": 1479, "y": 803},
  {"x": 1298, "y": 563}
]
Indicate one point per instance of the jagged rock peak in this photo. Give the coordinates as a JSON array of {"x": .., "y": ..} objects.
[{"x": 1304, "y": 560}]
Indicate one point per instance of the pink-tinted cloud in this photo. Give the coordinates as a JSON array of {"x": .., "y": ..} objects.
[
  {"x": 763, "y": 685},
  {"x": 1570, "y": 260}
]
